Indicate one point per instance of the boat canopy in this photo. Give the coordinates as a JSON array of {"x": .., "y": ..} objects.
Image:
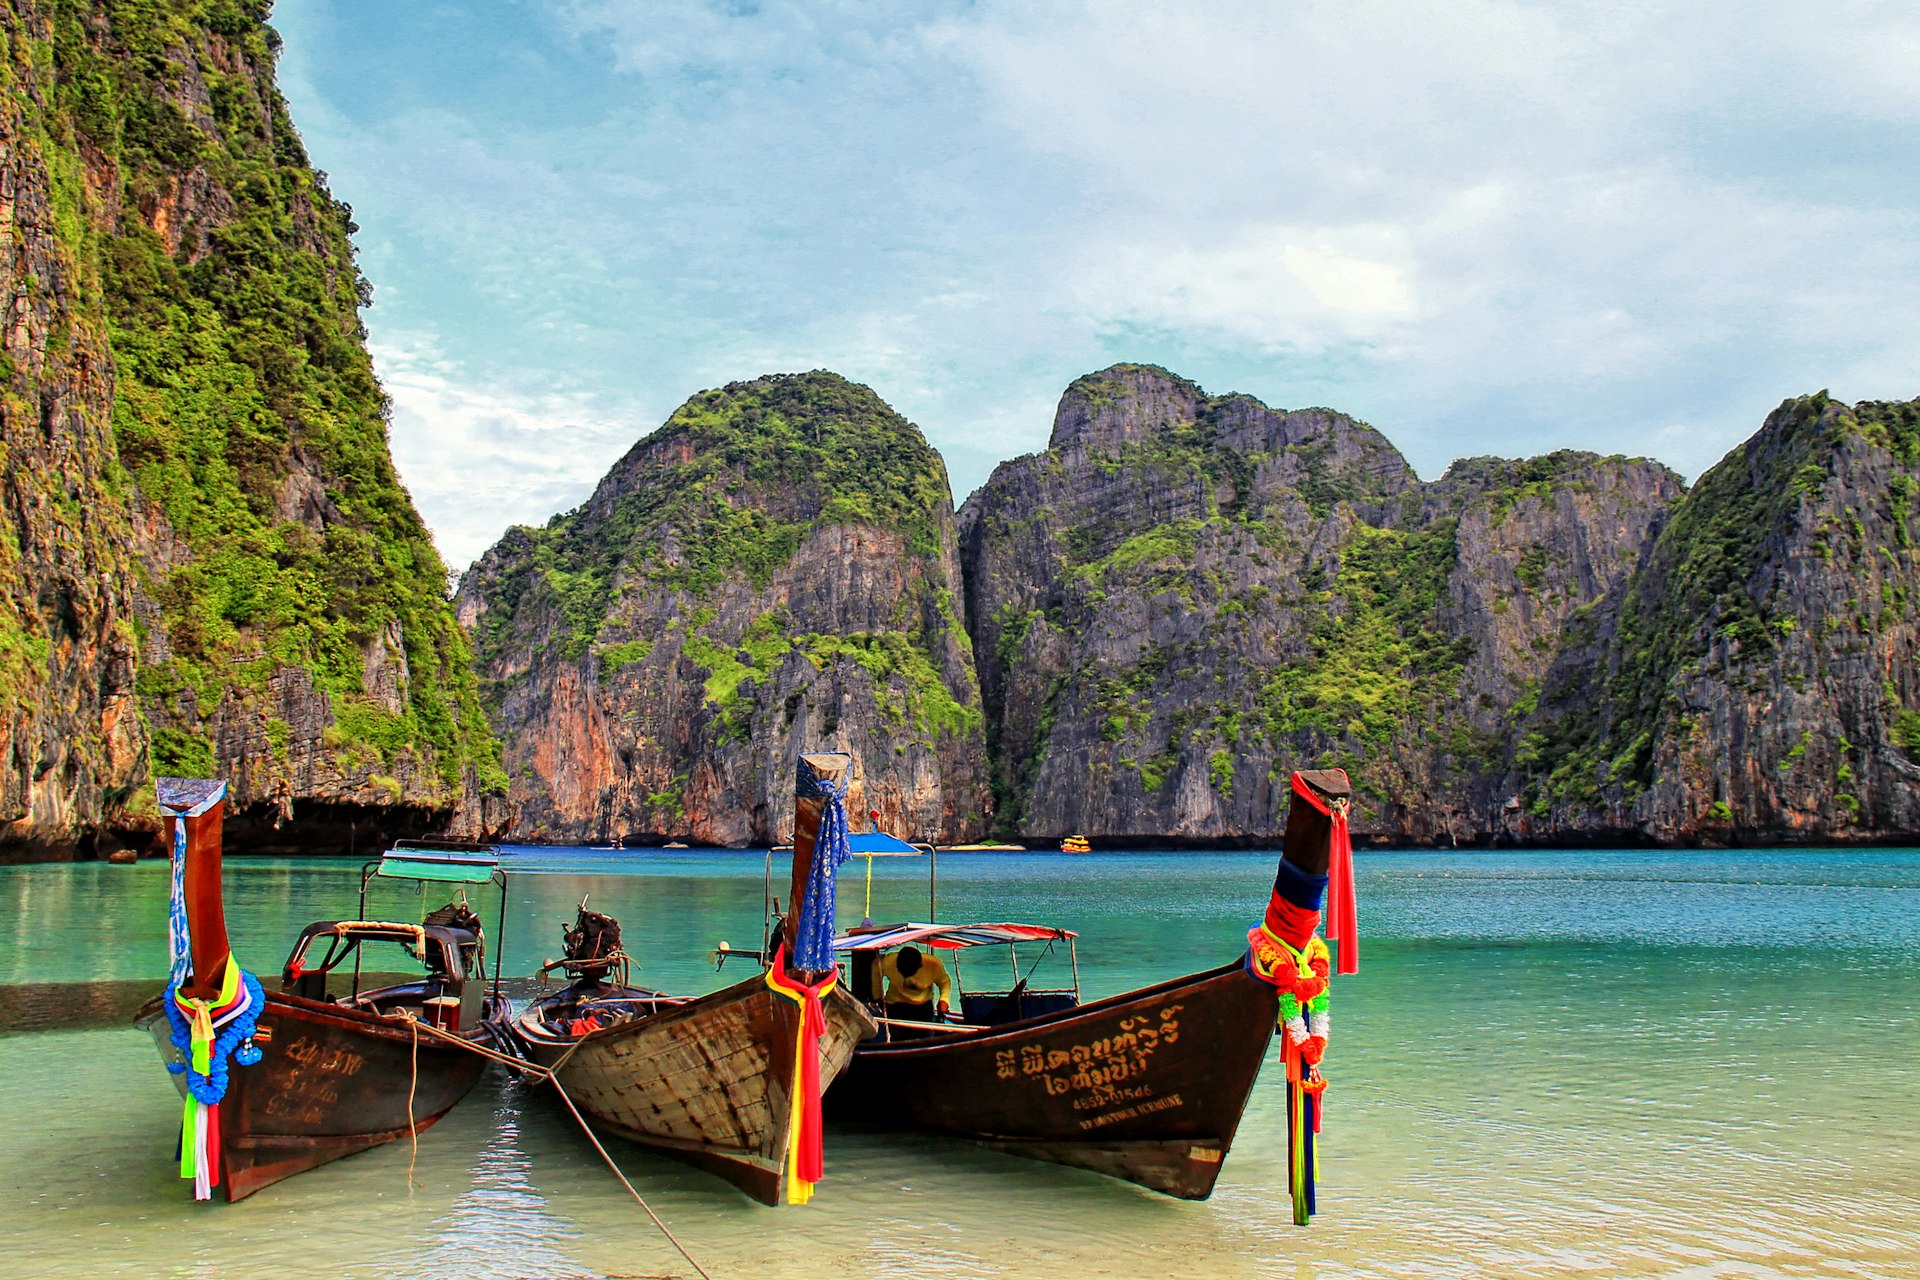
[
  {"x": 947, "y": 937},
  {"x": 422, "y": 864},
  {"x": 879, "y": 844}
]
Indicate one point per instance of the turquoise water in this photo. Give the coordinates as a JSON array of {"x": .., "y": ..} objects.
[{"x": 1550, "y": 1064}]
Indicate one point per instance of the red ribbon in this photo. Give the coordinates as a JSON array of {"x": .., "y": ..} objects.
[
  {"x": 1343, "y": 917},
  {"x": 810, "y": 1141},
  {"x": 1293, "y": 925}
]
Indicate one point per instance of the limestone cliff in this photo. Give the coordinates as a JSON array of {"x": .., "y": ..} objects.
[
  {"x": 772, "y": 571},
  {"x": 211, "y": 565},
  {"x": 1185, "y": 597},
  {"x": 1758, "y": 680},
  {"x": 72, "y": 746}
]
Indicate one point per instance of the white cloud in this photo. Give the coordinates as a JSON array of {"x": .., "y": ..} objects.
[
  {"x": 481, "y": 459},
  {"x": 1268, "y": 286},
  {"x": 1486, "y": 226}
]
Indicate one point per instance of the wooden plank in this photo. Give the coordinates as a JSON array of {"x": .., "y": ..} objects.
[
  {"x": 1148, "y": 1086},
  {"x": 707, "y": 1081}
]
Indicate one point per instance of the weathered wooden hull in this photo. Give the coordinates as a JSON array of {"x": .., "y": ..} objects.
[
  {"x": 331, "y": 1081},
  {"x": 1148, "y": 1086},
  {"x": 707, "y": 1081}
]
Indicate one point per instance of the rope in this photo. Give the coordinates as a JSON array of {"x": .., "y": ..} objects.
[
  {"x": 413, "y": 1130},
  {"x": 1036, "y": 963},
  {"x": 637, "y": 1197},
  {"x": 549, "y": 1074}
]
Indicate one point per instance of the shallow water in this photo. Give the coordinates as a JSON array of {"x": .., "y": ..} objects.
[{"x": 1550, "y": 1064}]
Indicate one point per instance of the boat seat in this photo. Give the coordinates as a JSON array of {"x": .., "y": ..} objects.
[
  {"x": 311, "y": 986},
  {"x": 992, "y": 1009}
]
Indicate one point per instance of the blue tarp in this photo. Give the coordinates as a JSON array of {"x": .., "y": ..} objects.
[{"x": 877, "y": 844}]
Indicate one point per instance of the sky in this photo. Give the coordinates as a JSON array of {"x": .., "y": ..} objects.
[{"x": 1483, "y": 227}]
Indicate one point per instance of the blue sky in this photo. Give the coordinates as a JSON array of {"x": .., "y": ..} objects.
[{"x": 1487, "y": 227}]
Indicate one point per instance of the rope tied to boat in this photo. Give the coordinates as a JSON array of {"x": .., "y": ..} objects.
[
  {"x": 813, "y": 932},
  {"x": 805, "y": 1158},
  {"x": 550, "y": 1075}
]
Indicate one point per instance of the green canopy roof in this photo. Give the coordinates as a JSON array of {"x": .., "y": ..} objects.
[{"x": 416, "y": 866}]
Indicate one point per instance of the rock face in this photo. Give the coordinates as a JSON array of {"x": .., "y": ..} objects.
[
  {"x": 211, "y": 567},
  {"x": 1185, "y": 597},
  {"x": 1757, "y": 680},
  {"x": 72, "y": 746},
  {"x": 772, "y": 571}
]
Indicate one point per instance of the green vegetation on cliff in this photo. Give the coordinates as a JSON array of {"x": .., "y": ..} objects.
[
  {"x": 246, "y": 412},
  {"x": 1703, "y": 598},
  {"x": 771, "y": 569},
  {"x": 756, "y": 467},
  {"x": 1379, "y": 663}
]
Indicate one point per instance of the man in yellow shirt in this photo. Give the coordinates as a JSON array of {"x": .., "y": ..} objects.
[{"x": 911, "y": 980}]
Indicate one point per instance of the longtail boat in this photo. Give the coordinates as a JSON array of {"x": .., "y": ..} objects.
[
  {"x": 1148, "y": 1086},
  {"x": 279, "y": 1082},
  {"x": 729, "y": 1082}
]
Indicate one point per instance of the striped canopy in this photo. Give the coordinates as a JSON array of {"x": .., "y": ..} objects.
[{"x": 948, "y": 937}]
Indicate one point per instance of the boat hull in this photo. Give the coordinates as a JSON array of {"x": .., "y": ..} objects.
[
  {"x": 331, "y": 1081},
  {"x": 707, "y": 1081},
  {"x": 1148, "y": 1086}
]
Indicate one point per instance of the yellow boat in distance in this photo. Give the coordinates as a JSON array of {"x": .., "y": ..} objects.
[{"x": 1075, "y": 844}]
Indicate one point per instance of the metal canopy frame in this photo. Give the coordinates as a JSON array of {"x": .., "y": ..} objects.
[
  {"x": 914, "y": 849},
  {"x": 443, "y": 862}
]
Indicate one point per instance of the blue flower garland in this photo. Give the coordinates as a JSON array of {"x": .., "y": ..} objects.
[{"x": 234, "y": 1040}]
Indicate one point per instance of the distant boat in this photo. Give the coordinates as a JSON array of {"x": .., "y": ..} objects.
[
  {"x": 675, "y": 844},
  {"x": 1075, "y": 844}
]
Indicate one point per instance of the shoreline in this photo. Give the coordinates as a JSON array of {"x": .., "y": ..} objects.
[{"x": 1608, "y": 840}]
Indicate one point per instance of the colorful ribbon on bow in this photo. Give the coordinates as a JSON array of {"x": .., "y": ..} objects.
[
  {"x": 1343, "y": 920},
  {"x": 806, "y": 1147},
  {"x": 813, "y": 931},
  {"x": 1285, "y": 950},
  {"x": 207, "y": 1033}
]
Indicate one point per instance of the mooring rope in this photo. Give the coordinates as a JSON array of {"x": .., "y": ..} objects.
[
  {"x": 413, "y": 1129},
  {"x": 549, "y": 1074}
]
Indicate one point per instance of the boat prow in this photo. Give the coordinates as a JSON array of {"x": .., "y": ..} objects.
[
  {"x": 332, "y": 1081},
  {"x": 705, "y": 1080},
  {"x": 320, "y": 1068}
]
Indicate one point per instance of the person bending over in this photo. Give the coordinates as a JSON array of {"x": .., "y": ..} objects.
[{"x": 911, "y": 979}]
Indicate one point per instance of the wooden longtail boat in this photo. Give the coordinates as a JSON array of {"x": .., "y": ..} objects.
[
  {"x": 1148, "y": 1086},
  {"x": 712, "y": 1080},
  {"x": 339, "y": 1070}
]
